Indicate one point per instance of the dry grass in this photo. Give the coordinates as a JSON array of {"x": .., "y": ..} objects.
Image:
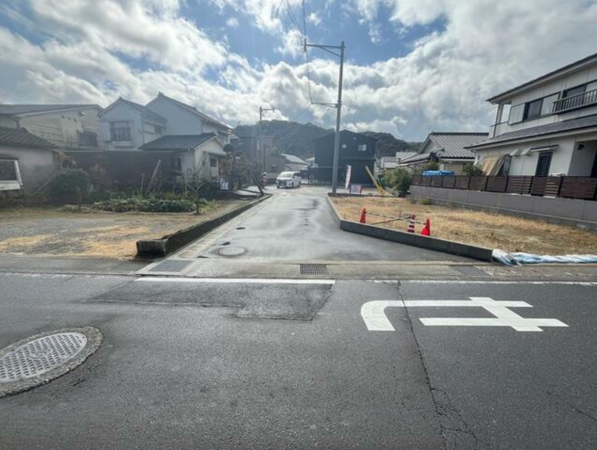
[
  {"x": 49, "y": 231},
  {"x": 474, "y": 227}
]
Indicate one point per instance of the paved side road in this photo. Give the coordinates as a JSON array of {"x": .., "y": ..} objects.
[{"x": 244, "y": 365}]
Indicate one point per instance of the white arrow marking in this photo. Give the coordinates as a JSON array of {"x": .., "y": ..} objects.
[{"x": 374, "y": 315}]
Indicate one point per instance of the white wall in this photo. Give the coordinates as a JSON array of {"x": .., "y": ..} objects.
[
  {"x": 179, "y": 121},
  {"x": 566, "y": 159},
  {"x": 122, "y": 113},
  {"x": 61, "y": 128},
  {"x": 587, "y": 75},
  {"x": 35, "y": 165}
]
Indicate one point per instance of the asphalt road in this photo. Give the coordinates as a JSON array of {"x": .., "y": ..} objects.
[
  {"x": 297, "y": 224},
  {"x": 247, "y": 366}
]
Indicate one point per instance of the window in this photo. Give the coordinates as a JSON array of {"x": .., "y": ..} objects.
[
  {"x": 543, "y": 164},
  {"x": 532, "y": 109},
  {"x": 548, "y": 102},
  {"x": 87, "y": 138},
  {"x": 158, "y": 129},
  {"x": 213, "y": 162},
  {"x": 505, "y": 169},
  {"x": 176, "y": 165},
  {"x": 9, "y": 170},
  {"x": 120, "y": 131},
  {"x": 516, "y": 113},
  {"x": 362, "y": 148},
  {"x": 575, "y": 91}
]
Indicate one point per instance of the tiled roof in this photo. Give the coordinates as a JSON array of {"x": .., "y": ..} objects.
[
  {"x": 195, "y": 111},
  {"x": 178, "y": 142},
  {"x": 10, "y": 110},
  {"x": 148, "y": 113},
  {"x": 541, "y": 130},
  {"x": 453, "y": 145},
  {"x": 18, "y": 137},
  {"x": 293, "y": 159}
]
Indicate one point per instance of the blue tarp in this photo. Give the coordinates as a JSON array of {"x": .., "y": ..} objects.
[
  {"x": 518, "y": 258},
  {"x": 436, "y": 173}
]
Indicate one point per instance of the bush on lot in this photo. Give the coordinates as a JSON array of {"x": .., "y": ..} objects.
[
  {"x": 70, "y": 185},
  {"x": 399, "y": 179},
  {"x": 472, "y": 170},
  {"x": 152, "y": 204}
]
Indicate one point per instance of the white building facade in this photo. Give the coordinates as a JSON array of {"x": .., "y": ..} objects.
[{"x": 545, "y": 127}]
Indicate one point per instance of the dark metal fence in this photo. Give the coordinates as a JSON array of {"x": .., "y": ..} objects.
[{"x": 584, "y": 188}]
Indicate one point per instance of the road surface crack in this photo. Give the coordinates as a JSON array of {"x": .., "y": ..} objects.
[
  {"x": 452, "y": 424},
  {"x": 571, "y": 406}
]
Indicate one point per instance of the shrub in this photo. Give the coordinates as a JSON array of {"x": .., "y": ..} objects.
[
  {"x": 426, "y": 201},
  {"x": 431, "y": 165},
  {"x": 399, "y": 179},
  {"x": 70, "y": 185},
  {"x": 170, "y": 205},
  {"x": 472, "y": 170}
]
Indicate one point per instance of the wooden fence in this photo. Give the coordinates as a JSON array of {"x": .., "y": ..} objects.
[{"x": 584, "y": 188}]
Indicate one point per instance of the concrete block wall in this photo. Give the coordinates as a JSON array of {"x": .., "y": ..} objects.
[{"x": 582, "y": 213}]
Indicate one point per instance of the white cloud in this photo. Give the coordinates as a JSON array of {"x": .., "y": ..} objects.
[
  {"x": 314, "y": 19},
  {"x": 486, "y": 47},
  {"x": 232, "y": 22}
]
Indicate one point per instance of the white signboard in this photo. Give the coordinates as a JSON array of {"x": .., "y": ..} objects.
[
  {"x": 348, "y": 174},
  {"x": 374, "y": 315}
]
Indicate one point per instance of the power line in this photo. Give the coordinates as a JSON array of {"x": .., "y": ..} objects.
[{"x": 293, "y": 17}]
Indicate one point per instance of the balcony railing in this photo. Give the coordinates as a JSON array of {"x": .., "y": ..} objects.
[
  {"x": 576, "y": 101},
  {"x": 584, "y": 188}
]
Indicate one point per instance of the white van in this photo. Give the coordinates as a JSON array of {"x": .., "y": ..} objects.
[{"x": 288, "y": 179}]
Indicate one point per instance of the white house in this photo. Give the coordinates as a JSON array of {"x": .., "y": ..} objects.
[
  {"x": 126, "y": 125},
  {"x": 547, "y": 126},
  {"x": 185, "y": 119},
  {"x": 69, "y": 127},
  {"x": 191, "y": 156},
  {"x": 448, "y": 149},
  {"x": 294, "y": 163}
]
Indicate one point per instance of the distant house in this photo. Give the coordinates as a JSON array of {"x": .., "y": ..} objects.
[
  {"x": 546, "y": 126},
  {"x": 26, "y": 161},
  {"x": 448, "y": 149},
  {"x": 68, "y": 127},
  {"x": 294, "y": 163},
  {"x": 356, "y": 150},
  {"x": 310, "y": 161},
  {"x": 126, "y": 125},
  {"x": 191, "y": 155},
  {"x": 262, "y": 152}
]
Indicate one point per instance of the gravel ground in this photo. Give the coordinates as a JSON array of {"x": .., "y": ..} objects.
[{"x": 49, "y": 231}]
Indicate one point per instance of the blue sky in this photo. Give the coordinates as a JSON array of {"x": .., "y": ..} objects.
[{"x": 413, "y": 66}]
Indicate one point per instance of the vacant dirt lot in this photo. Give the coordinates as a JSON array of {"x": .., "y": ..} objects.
[
  {"x": 49, "y": 231},
  {"x": 473, "y": 227}
]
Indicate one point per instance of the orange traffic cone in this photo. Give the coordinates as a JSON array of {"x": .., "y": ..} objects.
[
  {"x": 364, "y": 216},
  {"x": 426, "y": 231},
  {"x": 411, "y": 224}
]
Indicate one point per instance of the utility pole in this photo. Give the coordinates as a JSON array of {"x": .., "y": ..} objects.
[
  {"x": 260, "y": 138},
  {"x": 337, "y": 105}
]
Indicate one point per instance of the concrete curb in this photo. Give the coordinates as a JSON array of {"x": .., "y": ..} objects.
[
  {"x": 428, "y": 242},
  {"x": 156, "y": 248}
]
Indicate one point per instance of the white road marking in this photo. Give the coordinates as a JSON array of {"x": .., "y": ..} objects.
[
  {"x": 563, "y": 283},
  {"x": 236, "y": 280},
  {"x": 375, "y": 318}
]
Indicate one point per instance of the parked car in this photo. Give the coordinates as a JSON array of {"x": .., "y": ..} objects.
[{"x": 288, "y": 179}]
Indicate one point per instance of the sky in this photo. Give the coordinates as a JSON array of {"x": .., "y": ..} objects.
[{"x": 412, "y": 66}]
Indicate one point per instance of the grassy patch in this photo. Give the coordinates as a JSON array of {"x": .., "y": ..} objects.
[{"x": 485, "y": 229}]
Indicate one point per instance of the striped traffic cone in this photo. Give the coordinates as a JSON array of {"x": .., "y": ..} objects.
[
  {"x": 364, "y": 216},
  {"x": 411, "y": 224}
]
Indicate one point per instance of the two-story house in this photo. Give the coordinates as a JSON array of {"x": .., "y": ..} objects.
[
  {"x": 547, "y": 126},
  {"x": 356, "y": 150},
  {"x": 66, "y": 127}
]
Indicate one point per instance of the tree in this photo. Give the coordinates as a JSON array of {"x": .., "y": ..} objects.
[
  {"x": 431, "y": 165},
  {"x": 472, "y": 170},
  {"x": 399, "y": 179}
]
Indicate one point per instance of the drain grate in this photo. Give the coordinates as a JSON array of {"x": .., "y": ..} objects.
[
  {"x": 314, "y": 269},
  {"x": 40, "y": 356}
]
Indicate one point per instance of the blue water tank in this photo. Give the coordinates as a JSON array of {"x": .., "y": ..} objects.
[{"x": 433, "y": 173}]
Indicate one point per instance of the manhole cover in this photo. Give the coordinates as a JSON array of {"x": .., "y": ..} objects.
[
  {"x": 314, "y": 269},
  {"x": 231, "y": 251},
  {"x": 41, "y": 358}
]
